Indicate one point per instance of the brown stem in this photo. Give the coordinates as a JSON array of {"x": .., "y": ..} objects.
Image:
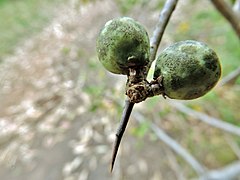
[
  {"x": 230, "y": 78},
  {"x": 164, "y": 17},
  {"x": 122, "y": 126},
  {"x": 228, "y": 13}
]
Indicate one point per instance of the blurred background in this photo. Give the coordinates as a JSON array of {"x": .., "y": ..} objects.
[{"x": 59, "y": 108}]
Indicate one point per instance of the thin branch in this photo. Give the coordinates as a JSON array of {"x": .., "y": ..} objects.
[
  {"x": 231, "y": 171},
  {"x": 207, "y": 119},
  {"x": 122, "y": 126},
  {"x": 174, "y": 164},
  {"x": 236, "y": 8},
  {"x": 230, "y": 78},
  {"x": 228, "y": 13},
  {"x": 200, "y": 170},
  {"x": 234, "y": 146},
  {"x": 164, "y": 17}
]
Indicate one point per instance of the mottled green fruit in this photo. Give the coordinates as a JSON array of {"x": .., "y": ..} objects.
[
  {"x": 189, "y": 69},
  {"x": 121, "y": 44}
]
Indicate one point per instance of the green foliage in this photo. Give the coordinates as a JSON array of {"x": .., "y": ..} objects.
[
  {"x": 126, "y": 6},
  {"x": 229, "y": 52},
  {"x": 159, "y": 5},
  {"x": 214, "y": 155},
  {"x": 86, "y": 1},
  {"x": 141, "y": 130},
  {"x": 227, "y": 108},
  {"x": 21, "y": 19},
  {"x": 66, "y": 51}
]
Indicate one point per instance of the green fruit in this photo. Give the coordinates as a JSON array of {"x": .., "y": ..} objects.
[
  {"x": 121, "y": 44},
  {"x": 189, "y": 69}
]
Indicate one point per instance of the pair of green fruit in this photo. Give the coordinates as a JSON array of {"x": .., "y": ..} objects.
[{"x": 188, "y": 69}]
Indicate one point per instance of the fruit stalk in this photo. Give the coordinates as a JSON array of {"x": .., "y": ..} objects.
[{"x": 120, "y": 131}]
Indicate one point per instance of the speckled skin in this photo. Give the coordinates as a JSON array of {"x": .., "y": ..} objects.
[
  {"x": 121, "y": 44},
  {"x": 189, "y": 69}
]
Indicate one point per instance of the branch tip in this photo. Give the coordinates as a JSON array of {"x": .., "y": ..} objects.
[{"x": 122, "y": 126}]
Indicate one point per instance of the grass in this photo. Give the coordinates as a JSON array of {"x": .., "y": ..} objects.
[
  {"x": 126, "y": 6},
  {"x": 21, "y": 19}
]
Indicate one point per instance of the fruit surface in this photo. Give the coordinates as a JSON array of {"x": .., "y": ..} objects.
[
  {"x": 189, "y": 69},
  {"x": 121, "y": 44}
]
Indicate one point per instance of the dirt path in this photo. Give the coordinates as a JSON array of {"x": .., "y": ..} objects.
[{"x": 43, "y": 105}]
